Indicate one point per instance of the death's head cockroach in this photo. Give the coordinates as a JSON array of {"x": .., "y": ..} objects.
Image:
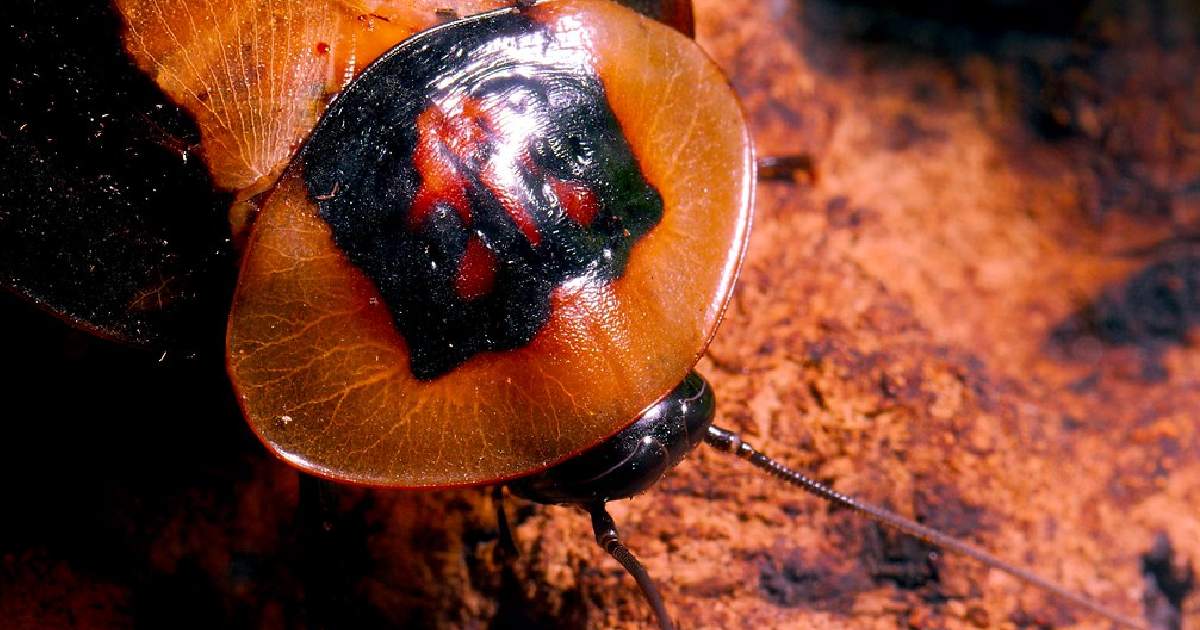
[{"x": 481, "y": 242}]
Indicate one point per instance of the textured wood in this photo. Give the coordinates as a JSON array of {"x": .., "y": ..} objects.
[{"x": 979, "y": 315}]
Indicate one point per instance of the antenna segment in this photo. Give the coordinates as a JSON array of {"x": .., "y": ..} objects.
[{"x": 729, "y": 442}]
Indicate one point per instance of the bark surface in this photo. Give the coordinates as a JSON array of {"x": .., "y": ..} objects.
[{"x": 982, "y": 312}]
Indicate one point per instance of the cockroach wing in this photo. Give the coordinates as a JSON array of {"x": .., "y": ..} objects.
[
  {"x": 108, "y": 214},
  {"x": 256, "y": 74}
]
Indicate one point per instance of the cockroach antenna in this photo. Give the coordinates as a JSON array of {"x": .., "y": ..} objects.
[
  {"x": 635, "y": 458},
  {"x": 729, "y": 442},
  {"x": 404, "y": 290}
]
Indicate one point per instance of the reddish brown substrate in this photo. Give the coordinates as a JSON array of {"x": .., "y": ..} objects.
[{"x": 977, "y": 316}]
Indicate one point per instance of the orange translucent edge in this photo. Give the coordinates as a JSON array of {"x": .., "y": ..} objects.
[{"x": 266, "y": 272}]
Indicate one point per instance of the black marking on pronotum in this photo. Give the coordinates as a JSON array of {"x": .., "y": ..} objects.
[{"x": 478, "y": 167}]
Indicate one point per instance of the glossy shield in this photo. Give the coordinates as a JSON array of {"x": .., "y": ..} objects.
[
  {"x": 472, "y": 179},
  {"x": 134, "y": 124},
  {"x": 319, "y": 347},
  {"x": 257, "y": 74}
]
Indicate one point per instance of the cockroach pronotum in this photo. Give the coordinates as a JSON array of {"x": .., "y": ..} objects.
[{"x": 481, "y": 243}]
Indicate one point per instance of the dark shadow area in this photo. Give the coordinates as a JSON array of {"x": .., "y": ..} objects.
[
  {"x": 910, "y": 563},
  {"x": 107, "y": 213},
  {"x": 516, "y": 611},
  {"x": 333, "y": 555},
  {"x": 792, "y": 578},
  {"x": 1108, "y": 82},
  {"x": 904, "y": 561},
  {"x": 1168, "y": 584},
  {"x": 126, "y": 474},
  {"x": 1151, "y": 310},
  {"x": 920, "y": 29},
  {"x": 515, "y": 608}
]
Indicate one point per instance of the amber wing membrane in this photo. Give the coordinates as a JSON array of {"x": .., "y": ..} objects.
[
  {"x": 323, "y": 375},
  {"x": 256, "y": 74},
  {"x": 110, "y": 220}
]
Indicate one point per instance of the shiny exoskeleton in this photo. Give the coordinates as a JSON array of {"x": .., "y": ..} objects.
[
  {"x": 627, "y": 464},
  {"x": 631, "y": 461},
  {"x": 506, "y": 236},
  {"x": 471, "y": 180}
]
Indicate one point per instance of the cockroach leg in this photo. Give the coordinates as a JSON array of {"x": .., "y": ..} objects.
[
  {"x": 609, "y": 540},
  {"x": 506, "y": 547}
]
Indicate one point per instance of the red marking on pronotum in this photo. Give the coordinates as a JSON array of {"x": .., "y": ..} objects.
[
  {"x": 441, "y": 178},
  {"x": 577, "y": 200},
  {"x": 510, "y": 199},
  {"x": 451, "y": 143},
  {"x": 476, "y": 271},
  {"x": 322, "y": 48}
]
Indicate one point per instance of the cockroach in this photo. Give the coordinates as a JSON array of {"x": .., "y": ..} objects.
[{"x": 481, "y": 244}]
